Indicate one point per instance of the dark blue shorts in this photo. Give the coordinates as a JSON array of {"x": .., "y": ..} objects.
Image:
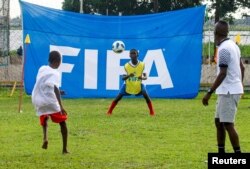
[{"x": 124, "y": 93}]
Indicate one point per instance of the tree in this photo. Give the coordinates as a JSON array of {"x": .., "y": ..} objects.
[
  {"x": 128, "y": 7},
  {"x": 177, "y": 4},
  {"x": 71, "y": 5},
  {"x": 224, "y": 8}
]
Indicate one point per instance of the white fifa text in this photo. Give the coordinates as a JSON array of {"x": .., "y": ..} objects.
[{"x": 113, "y": 68}]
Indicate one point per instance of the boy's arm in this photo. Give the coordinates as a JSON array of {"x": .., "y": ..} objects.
[
  {"x": 242, "y": 68},
  {"x": 58, "y": 96},
  {"x": 125, "y": 77}
]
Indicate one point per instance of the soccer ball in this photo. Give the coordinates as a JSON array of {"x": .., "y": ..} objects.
[{"x": 118, "y": 46}]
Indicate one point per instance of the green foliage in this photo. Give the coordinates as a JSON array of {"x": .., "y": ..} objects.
[
  {"x": 71, "y": 5},
  {"x": 223, "y": 8},
  {"x": 174, "y": 5},
  {"x": 13, "y": 53},
  {"x": 128, "y": 7},
  {"x": 245, "y": 50},
  {"x": 206, "y": 48},
  {"x": 178, "y": 137}
]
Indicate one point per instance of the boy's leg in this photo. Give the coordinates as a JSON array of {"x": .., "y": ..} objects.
[
  {"x": 114, "y": 103},
  {"x": 221, "y": 135},
  {"x": 230, "y": 103},
  {"x": 64, "y": 131},
  {"x": 44, "y": 123},
  {"x": 61, "y": 118},
  {"x": 117, "y": 99},
  {"x": 149, "y": 103},
  {"x": 233, "y": 135}
]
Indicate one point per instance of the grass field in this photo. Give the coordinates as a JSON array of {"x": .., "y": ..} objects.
[{"x": 178, "y": 137}]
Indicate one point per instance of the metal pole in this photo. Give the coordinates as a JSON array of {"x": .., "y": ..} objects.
[
  {"x": 22, "y": 80},
  {"x": 107, "y": 7},
  {"x": 81, "y": 6},
  {"x": 209, "y": 43},
  {"x": 156, "y": 6}
]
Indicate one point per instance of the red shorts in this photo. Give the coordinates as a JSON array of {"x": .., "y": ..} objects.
[{"x": 55, "y": 117}]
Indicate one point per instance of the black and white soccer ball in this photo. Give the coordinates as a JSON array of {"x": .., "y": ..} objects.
[{"x": 118, "y": 46}]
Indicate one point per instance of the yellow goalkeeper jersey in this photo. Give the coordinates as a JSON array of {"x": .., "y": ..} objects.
[{"x": 133, "y": 84}]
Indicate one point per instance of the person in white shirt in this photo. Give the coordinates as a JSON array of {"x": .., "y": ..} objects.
[
  {"x": 47, "y": 99},
  {"x": 228, "y": 86}
]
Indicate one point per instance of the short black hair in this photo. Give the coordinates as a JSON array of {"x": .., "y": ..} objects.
[
  {"x": 223, "y": 22},
  {"x": 222, "y": 29},
  {"x": 134, "y": 50},
  {"x": 54, "y": 57}
]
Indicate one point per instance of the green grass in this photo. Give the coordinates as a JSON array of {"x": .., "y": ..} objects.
[{"x": 178, "y": 137}]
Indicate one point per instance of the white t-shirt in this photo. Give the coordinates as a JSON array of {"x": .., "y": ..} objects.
[
  {"x": 229, "y": 56},
  {"x": 43, "y": 95}
]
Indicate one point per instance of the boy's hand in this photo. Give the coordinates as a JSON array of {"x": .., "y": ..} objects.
[
  {"x": 206, "y": 99},
  {"x": 63, "y": 111}
]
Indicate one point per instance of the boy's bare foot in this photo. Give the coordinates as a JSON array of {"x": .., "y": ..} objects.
[{"x": 45, "y": 145}]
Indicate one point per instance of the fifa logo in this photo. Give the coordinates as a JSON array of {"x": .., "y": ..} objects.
[
  {"x": 113, "y": 68},
  {"x": 134, "y": 79}
]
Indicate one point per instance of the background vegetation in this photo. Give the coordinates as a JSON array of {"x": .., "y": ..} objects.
[
  {"x": 221, "y": 8},
  {"x": 245, "y": 50}
]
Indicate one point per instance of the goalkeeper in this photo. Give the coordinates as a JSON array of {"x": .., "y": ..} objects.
[{"x": 133, "y": 82}]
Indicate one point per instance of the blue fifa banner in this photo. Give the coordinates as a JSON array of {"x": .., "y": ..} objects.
[{"x": 169, "y": 43}]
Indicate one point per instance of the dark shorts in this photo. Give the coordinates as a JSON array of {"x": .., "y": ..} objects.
[
  {"x": 55, "y": 117},
  {"x": 124, "y": 93}
]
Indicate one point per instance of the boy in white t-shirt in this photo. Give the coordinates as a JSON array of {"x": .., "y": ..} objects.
[{"x": 47, "y": 99}]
